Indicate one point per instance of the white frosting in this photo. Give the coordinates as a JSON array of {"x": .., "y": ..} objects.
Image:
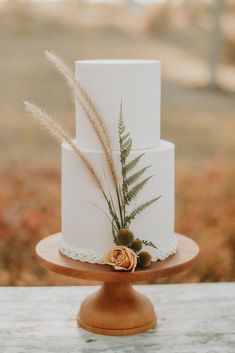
[
  {"x": 137, "y": 83},
  {"x": 86, "y": 231}
]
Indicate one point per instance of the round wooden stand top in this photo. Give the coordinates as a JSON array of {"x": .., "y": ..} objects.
[{"x": 49, "y": 255}]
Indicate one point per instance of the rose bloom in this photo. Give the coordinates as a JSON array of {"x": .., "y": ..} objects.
[{"x": 121, "y": 258}]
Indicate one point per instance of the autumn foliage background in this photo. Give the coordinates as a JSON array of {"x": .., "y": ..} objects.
[{"x": 199, "y": 119}]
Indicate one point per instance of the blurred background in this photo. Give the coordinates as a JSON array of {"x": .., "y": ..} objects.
[{"x": 195, "y": 41}]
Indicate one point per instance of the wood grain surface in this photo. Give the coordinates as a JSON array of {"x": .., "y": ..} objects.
[{"x": 192, "y": 318}]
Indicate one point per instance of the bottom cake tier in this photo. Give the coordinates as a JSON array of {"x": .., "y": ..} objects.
[{"x": 86, "y": 229}]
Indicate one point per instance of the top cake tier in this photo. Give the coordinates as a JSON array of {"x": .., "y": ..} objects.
[{"x": 137, "y": 83}]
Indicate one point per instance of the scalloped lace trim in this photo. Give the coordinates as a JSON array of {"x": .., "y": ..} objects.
[
  {"x": 96, "y": 258},
  {"x": 165, "y": 251}
]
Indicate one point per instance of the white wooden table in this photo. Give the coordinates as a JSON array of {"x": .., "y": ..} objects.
[{"x": 192, "y": 318}]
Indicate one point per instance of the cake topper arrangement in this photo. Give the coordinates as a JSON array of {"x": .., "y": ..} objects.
[{"x": 127, "y": 252}]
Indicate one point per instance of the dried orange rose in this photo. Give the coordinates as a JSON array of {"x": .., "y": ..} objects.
[{"x": 121, "y": 258}]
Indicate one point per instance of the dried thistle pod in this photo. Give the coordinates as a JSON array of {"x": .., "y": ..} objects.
[
  {"x": 144, "y": 259},
  {"x": 137, "y": 245},
  {"x": 125, "y": 237}
]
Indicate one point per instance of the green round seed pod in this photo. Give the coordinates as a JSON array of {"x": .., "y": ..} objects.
[
  {"x": 144, "y": 259},
  {"x": 136, "y": 245},
  {"x": 124, "y": 237}
]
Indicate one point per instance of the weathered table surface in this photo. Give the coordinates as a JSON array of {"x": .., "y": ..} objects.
[{"x": 192, "y": 318}]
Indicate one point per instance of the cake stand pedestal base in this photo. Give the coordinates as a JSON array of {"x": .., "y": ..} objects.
[{"x": 116, "y": 309}]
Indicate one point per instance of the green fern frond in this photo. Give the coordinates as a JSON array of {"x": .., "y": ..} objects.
[
  {"x": 127, "y": 150},
  {"x": 121, "y": 130},
  {"x": 125, "y": 144},
  {"x": 137, "y": 188},
  {"x": 141, "y": 208},
  {"x": 131, "y": 165},
  {"x": 149, "y": 243},
  {"x": 121, "y": 126},
  {"x": 134, "y": 177},
  {"x": 130, "y": 186},
  {"x": 124, "y": 137}
]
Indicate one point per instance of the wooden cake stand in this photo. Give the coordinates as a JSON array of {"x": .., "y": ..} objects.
[{"x": 116, "y": 309}]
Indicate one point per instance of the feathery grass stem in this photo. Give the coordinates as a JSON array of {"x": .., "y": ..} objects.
[
  {"x": 89, "y": 108},
  {"x": 60, "y": 134}
]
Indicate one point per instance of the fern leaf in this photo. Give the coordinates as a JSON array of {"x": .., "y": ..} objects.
[
  {"x": 127, "y": 150},
  {"x": 141, "y": 208},
  {"x": 149, "y": 243},
  {"x": 121, "y": 126},
  {"x": 124, "y": 137},
  {"x": 131, "y": 165},
  {"x": 121, "y": 130},
  {"x": 125, "y": 144},
  {"x": 120, "y": 121},
  {"x": 137, "y": 188},
  {"x": 134, "y": 177}
]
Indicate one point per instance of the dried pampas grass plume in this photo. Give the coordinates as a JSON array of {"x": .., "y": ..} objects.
[
  {"x": 61, "y": 135},
  {"x": 89, "y": 108}
]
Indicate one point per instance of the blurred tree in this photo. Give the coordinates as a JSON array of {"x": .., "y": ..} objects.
[{"x": 216, "y": 43}]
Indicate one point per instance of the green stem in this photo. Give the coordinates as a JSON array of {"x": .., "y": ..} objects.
[
  {"x": 123, "y": 187},
  {"x": 112, "y": 210},
  {"x": 120, "y": 206}
]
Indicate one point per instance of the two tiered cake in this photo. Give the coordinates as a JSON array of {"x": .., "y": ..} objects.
[{"x": 86, "y": 228}]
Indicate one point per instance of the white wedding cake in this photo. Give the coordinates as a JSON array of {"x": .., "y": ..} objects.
[{"x": 86, "y": 229}]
